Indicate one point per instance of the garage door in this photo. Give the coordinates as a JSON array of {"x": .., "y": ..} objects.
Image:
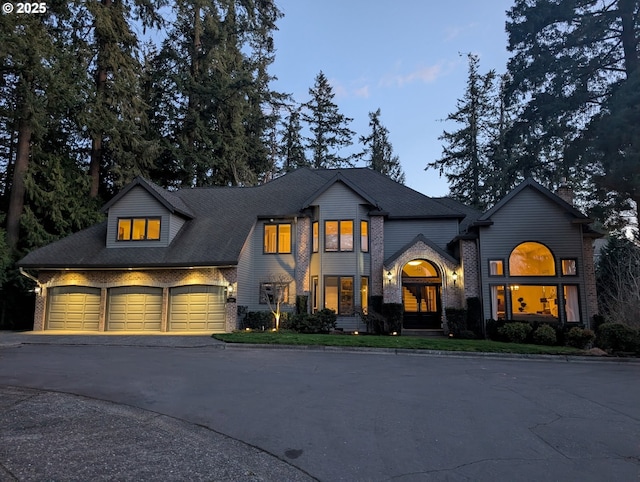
[
  {"x": 74, "y": 308},
  {"x": 134, "y": 308},
  {"x": 197, "y": 308}
]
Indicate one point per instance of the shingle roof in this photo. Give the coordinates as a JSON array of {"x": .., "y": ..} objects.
[{"x": 219, "y": 219}]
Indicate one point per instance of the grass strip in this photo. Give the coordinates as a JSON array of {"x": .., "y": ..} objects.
[{"x": 399, "y": 342}]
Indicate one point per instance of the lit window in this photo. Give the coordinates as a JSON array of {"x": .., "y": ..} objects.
[
  {"x": 331, "y": 236},
  {"x": 569, "y": 267},
  {"x": 571, "y": 303},
  {"x": 338, "y": 294},
  {"x": 338, "y": 236},
  {"x": 497, "y": 302},
  {"x": 531, "y": 259},
  {"x": 496, "y": 267},
  {"x": 277, "y": 238},
  {"x": 364, "y": 294},
  {"x": 346, "y": 235},
  {"x": 364, "y": 236},
  {"x": 138, "y": 229},
  {"x": 316, "y": 240},
  {"x": 534, "y": 302}
]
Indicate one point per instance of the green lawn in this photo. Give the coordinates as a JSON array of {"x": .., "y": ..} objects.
[{"x": 400, "y": 342}]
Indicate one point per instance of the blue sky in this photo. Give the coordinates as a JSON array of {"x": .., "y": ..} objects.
[{"x": 401, "y": 56}]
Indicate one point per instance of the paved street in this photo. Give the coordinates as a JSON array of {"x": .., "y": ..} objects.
[{"x": 369, "y": 416}]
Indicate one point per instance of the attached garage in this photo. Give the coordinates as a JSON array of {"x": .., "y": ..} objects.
[
  {"x": 134, "y": 308},
  {"x": 73, "y": 308},
  {"x": 197, "y": 308}
]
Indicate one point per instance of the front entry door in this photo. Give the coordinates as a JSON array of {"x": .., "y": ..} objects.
[{"x": 422, "y": 306}]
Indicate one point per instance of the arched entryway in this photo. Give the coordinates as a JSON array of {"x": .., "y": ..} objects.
[{"x": 421, "y": 295}]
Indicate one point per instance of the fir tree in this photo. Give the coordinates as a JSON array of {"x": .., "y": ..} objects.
[
  {"x": 464, "y": 161},
  {"x": 291, "y": 146},
  {"x": 378, "y": 151},
  {"x": 329, "y": 129}
]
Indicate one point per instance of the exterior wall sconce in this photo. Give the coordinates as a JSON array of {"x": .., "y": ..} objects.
[
  {"x": 389, "y": 276},
  {"x": 37, "y": 290},
  {"x": 230, "y": 297},
  {"x": 454, "y": 276}
]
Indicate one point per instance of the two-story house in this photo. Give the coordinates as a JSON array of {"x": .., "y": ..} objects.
[{"x": 178, "y": 261}]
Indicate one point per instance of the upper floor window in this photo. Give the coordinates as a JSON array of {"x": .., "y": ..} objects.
[
  {"x": 569, "y": 267},
  {"x": 138, "y": 229},
  {"x": 496, "y": 267},
  {"x": 338, "y": 236},
  {"x": 316, "y": 237},
  {"x": 277, "y": 238},
  {"x": 531, "y": 259},
  {"x": 364, "y": 236}
]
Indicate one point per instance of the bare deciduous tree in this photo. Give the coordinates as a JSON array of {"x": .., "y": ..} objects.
[{"x": 275, "y": 292}]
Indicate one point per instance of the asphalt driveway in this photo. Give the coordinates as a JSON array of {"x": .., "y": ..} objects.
[{"x": 360, "y": 416}]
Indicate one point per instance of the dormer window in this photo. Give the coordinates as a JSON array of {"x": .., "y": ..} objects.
[{"x": 138, "y": 229}]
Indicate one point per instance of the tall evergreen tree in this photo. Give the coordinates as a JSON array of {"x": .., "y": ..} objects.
[
  {"x": 464, "y": 160},
  {"x": 569, "y": 59},
  {"x": 378, "y": 151},
  {"x": 292, "y": 152},
  {"x": 329, "y": 129},
  {"x": 211, "y": 87}
]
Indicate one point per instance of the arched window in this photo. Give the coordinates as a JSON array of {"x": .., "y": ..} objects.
[{"x": 531, "y": 259}]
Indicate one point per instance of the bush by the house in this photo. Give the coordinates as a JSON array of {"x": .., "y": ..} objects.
[
  {"x": 321, "y": 322},
  {"x": 456, "y": 320},
  {"x": 579, "y": 337},
  {"x": 301, "y": 304},
  {"x": 262, "y": 320},
  {"x": 493, "y": 329},
  {"x": 474, "y": 315},
  {"x": 618, "y": 337},
  {"x": 516, "y": 332},
  {"x": 545, "y": 335},
  {"x": 386, "y": 321}
]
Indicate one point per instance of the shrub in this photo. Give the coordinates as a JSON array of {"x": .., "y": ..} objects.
[
  {"x": 515, "y": 332},
  {"x": 456, "y": 321},
  {"x": 375, "y": 322},
  {"x": 617, "y": 337},
  {"x": 474, "y": 315},
  {"x": 259, "y": 320},
  {"x": 393, "y": 313},
  {"x": 545, "y": 335},
  {"x": 493, "y": 329},
  {"x": 579, "y": 337},
  {"x": 301, "y": 304},
  {"x": 321, "y": 322}
]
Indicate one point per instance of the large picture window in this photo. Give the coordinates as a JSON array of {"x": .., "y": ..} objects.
[
  {"x": 338, "y": 294},
  {"x": 534, "y": 302},
  {"x": 531, "y": 259},
  {"x": 138, "y": 229},
  {"x": 277, "y": 238},
  {"x": 338, "y": 235}
]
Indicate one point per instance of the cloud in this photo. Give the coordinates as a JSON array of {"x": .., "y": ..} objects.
[
  {"x": 362, "y": 92},
  {"x": 425, "y": 75}
]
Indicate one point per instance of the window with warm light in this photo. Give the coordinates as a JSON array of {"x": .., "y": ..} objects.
[
  {"x": 364, "y": 236},
  {"x": 338, "y": 235},
  {"x": 277, "y": 238},
  {"x": 316, "y": 237},
  {"x": 569, "y": 267},
  {"x": 531, "y": 259},
  {"x": 364, "y": 294},
  {"x": 534, "y": 302},
  {"x": 496, "y": 267},
  {"x": 338, "y": 294},
  {"x": 138, "y": 229}
]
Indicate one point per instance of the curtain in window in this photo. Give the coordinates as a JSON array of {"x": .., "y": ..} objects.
[
  {"x": 494, "y": 302},
  {"x": 572, "y": 305}
]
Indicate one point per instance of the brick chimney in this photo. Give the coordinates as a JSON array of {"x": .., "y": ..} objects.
[{"x": 565, "y": 192}]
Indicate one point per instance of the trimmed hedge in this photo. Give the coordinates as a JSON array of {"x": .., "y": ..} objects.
[
  {"x": 515, "y": 332},
  {"x": 618, "y": 337}
]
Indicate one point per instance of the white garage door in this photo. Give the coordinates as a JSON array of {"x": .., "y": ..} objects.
[
  {"x": 197, "y": 308},
  {"x": 73, "y": 308},
  {"x": 134, "y": 308}
]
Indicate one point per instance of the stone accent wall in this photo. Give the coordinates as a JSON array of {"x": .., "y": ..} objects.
[
  {"x": 452, "y": 295},
  {"x": 376, "y": 249},
  {"x": 469, "y": 275},
  {"x": 303, "y": 256},
  {"x": 162, "y": 278},
  {"x": 589, "y": 280}
]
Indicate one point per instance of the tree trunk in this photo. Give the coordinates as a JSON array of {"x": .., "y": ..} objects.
[
  {"x": 16, "y": 198},
  {"x": 97, "y": 135},
  {"x": 629, "y": 41}
]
